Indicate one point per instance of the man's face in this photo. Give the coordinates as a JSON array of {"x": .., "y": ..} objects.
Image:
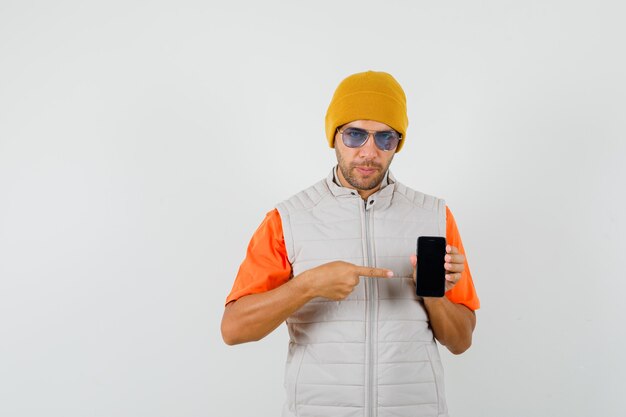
[{"x": 363, "y": 168}]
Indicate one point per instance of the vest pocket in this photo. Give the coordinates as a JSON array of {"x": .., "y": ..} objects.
[{"x": 292, "y": 373}]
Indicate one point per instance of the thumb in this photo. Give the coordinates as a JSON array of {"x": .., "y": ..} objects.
[{"x": 413, "y": 259}]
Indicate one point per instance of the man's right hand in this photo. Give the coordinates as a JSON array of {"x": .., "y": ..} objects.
[
  {"x": 254, "y": 316},
  {"x": 336, "y": 280}
]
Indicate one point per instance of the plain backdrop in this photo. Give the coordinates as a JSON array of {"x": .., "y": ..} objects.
[{"x": 142, "y": 143}]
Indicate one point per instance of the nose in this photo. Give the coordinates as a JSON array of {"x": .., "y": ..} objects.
[{"x": 368, "y": 150}]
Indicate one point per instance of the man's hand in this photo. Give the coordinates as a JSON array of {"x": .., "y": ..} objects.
[
  {"x": 336, "y": 280},
  {"x": 452, "y": 323},
  {"x": 454, "y": 266},
  {"x": 254, "y": 316}
]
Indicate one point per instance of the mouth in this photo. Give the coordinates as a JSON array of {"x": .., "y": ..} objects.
[{"x": 365, "y": 170}]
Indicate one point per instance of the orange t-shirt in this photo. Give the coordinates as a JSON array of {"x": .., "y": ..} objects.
[{"x": 266, "y": 265}]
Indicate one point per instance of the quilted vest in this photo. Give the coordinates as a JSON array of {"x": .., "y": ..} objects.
[{"x": 372, "y": 354}]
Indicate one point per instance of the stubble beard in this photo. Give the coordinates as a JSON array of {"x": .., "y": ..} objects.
[{"x": 349, "y": 173}]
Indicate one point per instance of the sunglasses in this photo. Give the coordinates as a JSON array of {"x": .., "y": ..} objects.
[{"x": 385, "y": 140}]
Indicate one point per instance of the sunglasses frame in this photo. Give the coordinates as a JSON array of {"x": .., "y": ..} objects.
[{"x": 369, "y": 133}]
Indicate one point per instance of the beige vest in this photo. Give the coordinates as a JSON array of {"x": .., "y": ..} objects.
[{"x": 372, "y": 354}]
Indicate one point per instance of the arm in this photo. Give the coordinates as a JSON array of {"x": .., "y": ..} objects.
[
  {"x": 452, "y": 323},
  {"x": 254, "y": 316}
]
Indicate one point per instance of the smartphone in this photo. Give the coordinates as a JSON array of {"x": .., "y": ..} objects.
[{"x": 431, "y": 274}]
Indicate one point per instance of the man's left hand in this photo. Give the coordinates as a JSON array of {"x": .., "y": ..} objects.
[{"x": 454, "y": 266}]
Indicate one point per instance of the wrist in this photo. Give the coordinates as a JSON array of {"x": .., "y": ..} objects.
[
  {"x": 303, "y": 285},
  {"x": 434, "y": 301}
]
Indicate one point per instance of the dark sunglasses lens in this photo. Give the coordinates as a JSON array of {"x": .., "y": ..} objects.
[
  {"x": 353, "y": 138},
  {"x": 387, "y": 141}
]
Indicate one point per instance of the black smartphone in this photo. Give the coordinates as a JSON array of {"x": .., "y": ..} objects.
[{"x": 431, "y": 274}]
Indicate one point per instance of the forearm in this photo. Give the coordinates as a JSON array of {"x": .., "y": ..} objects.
[
  {"x": 452, "y": 323},
  {"x": 254, "y": 316}
]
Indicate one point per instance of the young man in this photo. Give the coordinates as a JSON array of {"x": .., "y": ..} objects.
[{"x": 337, "y": 263}]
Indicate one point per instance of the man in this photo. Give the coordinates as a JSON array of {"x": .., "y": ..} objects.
[{"x": 337, "y": 263}]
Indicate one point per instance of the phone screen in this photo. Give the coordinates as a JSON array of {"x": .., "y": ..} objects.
[{"x": 431, "y": 281}]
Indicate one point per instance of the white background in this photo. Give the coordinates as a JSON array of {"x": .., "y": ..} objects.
[{"x": 141, "y": 144}]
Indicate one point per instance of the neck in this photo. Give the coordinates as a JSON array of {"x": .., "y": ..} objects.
[{"x": 363, "y": 193}]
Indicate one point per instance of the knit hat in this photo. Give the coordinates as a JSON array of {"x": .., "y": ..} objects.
[{"x": 367, "y": 96}]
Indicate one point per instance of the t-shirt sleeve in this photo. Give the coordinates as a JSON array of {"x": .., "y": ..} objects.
[
  {"x": 266, "y": 265},
  {"x": 464, "y": 291}
]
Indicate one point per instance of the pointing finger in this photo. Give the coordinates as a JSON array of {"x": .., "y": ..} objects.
[{"x": 374, "y": 272}]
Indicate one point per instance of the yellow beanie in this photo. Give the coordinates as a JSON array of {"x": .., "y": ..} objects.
[{"x": 367, "y": 96}]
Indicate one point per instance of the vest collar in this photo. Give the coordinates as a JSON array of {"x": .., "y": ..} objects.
[{"x": 381, "y": 198}]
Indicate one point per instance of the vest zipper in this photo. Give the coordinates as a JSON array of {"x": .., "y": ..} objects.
[{"x": 370, "y": 287}]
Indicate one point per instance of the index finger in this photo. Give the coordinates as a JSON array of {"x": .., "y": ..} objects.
[
  {"x": 374, "y": 272},
  {"x": 452, "y": 249}
]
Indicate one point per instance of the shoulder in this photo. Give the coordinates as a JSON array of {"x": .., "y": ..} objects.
[
  {"x": 408, "y": 195},
  {"x": 305, "y": 199}
]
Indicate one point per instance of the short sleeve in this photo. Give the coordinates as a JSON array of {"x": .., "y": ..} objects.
[
  {"x": 464, "y": 291},
  {"x": 266, "y": 265}
]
